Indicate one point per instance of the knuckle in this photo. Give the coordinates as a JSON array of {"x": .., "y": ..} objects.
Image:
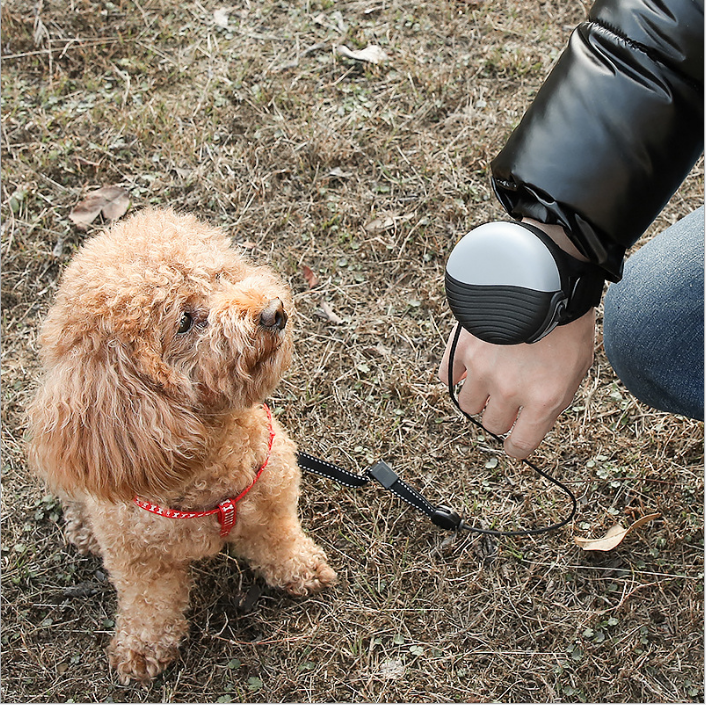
[
  {"x": 520, "y": 447},
  {"x": 553, "y": 406},
  {"x": 472, "y": 408}
]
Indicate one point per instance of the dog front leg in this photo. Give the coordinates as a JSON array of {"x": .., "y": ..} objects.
[
  {"x": 150, "y": 620},
  {"x": 283, "y": 554},
  {"x": 78, "y": 527}
]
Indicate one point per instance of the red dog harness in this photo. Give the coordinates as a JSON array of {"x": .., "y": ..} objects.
[{"x": 226, "y": 510}]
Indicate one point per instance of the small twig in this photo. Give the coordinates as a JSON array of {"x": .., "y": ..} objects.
[
  {"x": 71, "y": 44},
  {"x": 625, "y": 596},
  {"x": 41, "y": 34}
]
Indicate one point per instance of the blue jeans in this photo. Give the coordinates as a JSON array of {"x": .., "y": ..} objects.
[{"x": 653, "y": 325}]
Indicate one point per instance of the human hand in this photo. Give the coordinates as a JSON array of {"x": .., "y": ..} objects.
[{"x": 522, "y": 388}]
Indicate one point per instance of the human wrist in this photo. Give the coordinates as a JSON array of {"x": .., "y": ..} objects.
[{"x": 558, "y": 234}]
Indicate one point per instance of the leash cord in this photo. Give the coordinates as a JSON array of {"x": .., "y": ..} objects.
[
  {"x": 441, "y": 515},
  {"x": 553, "y": 480}
]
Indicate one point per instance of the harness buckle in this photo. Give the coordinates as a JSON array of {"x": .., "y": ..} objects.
[{"x": 226, "y": 516}]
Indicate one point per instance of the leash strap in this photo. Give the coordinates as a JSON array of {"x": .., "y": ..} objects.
[
  {"x": 441, "y": 515},
  {"x": 330, "y": 471},
  {"x": 381, "y": 472}
]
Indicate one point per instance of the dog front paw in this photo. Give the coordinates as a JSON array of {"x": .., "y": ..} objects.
[
  {"x": 312, "y": 578},
  {"x": 135, "y": 660}
]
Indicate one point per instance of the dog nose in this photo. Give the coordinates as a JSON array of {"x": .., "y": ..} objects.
[{"x": 273, "y": 315}]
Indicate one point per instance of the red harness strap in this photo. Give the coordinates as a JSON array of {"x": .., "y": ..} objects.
[{"x": 226, "y": 510}]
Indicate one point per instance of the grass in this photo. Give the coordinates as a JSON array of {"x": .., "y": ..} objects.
[{"x": 367, "y": 175}]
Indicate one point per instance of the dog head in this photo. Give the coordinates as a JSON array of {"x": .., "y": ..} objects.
[{"x": 158, "y": 329}]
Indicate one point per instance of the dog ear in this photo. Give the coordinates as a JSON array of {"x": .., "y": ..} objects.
[{"x": 103, "y": 427}]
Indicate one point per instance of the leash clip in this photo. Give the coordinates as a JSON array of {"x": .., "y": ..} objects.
[
  {"x": 446, "y": 518},
  {"x": 383, "y": 473}
]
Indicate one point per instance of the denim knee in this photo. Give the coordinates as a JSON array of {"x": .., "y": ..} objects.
[{"x": 653, "y": 328}]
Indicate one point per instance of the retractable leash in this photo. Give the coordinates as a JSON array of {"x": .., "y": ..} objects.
[
  {"x": 440, "y": 515},
  {"x": 510, "y": 283},
  {"x": 506, "y": 283}
]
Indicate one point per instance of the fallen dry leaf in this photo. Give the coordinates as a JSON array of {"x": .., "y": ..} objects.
[
  {"x": 392, "y": 669},
  {"x": 338, "y": 173},
  {"x": 311, "y": 279},
  {"x": 372, "y": 54},
  {"x": 614, "y": 536},
  {"x": 111, "y": 201},
  {"x": 387, "y": 222},
  {"x": 330, "y": 315},
  {"x": 379, "y": 225}
]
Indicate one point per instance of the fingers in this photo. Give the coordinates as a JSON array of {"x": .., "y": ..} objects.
[
  {"x": 502, "y": 413},
  {"x": 533, "y": 424},
  {"x": 528, "y": 433},
  {"x": 499, "y": 415},
  {"x": 522, "y": 389},
  {"x": 473, "y": 397}
]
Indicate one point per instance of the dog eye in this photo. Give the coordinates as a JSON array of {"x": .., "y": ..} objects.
[{"x": 185, "y": 323}]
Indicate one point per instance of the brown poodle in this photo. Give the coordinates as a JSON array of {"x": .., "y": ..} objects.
[{"x": 159, "y": 351}]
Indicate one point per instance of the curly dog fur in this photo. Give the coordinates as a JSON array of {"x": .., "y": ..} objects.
[{"x": 158, "y": 352}]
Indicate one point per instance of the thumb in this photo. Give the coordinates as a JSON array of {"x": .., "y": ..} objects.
[{"x": 459, "y": 369}]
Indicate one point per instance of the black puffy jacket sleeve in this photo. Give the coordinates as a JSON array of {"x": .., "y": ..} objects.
[{"x": 615, "y": 128}]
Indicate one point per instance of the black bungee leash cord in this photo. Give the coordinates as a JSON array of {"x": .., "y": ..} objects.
[
  {"x": 529, "y": 463},
  {"x": 441, "y": 515}
]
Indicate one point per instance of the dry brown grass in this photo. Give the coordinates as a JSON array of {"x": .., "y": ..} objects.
[{"x": 244, "y": 126}]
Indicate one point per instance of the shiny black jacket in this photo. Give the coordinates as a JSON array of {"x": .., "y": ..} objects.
[{"x": 615, "y": 128}]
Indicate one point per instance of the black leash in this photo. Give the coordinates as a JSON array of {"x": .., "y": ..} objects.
[
  {"x": 553, "y": 480},
  {"x": 440, "y": 515}
]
